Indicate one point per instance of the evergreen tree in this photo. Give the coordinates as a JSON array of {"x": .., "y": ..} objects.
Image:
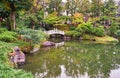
[{"x": 11, "y": 7}]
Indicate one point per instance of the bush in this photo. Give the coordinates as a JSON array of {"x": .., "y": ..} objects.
[
  {"x": 2, "y": 30},
  {"x": 85, "y": 28},
  {"x": 8, "y": 36},
  {"x": 72, "y": 27},
  {"x": 14, "y": 34},
  {"x": 36, "y": 36},
  {"x": 77, "y": 34},
  {"x": 7, "y": 72},
  {"x": 118, "y": 33},
  {"x": 104, "y": 18},
  {"x": 112, "y": 29},
  {"x": 73, "y": 33},
  {"x": 86, "y": 37},
  {"x": 99, "y": 31},
  {"x": 69, "y": 33}
]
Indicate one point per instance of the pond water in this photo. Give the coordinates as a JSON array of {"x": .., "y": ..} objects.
[{"x": 76, "y": 60}]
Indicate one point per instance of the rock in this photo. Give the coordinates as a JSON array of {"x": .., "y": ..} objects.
[
  {"x": 35, "y": 50},
  {"x": 26, "y": 49},
  {"x": 48, "y": 43}
]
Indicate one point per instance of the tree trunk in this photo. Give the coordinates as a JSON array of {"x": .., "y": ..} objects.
[
  {"x": 12, "y": 19},
  {"x": 33, "y": 24},
  {"x": 67, "y": 13},
  {"x": 0, "y": 20},
  {"x": 8, "y": 23}
]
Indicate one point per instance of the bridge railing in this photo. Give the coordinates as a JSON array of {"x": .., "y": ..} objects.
[{"x": 55, "y": 31}]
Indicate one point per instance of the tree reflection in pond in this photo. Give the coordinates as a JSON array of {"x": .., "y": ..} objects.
[{"x": 75, "y": 60}]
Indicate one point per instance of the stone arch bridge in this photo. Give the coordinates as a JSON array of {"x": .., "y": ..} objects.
[{"x": 55, "y": 31}]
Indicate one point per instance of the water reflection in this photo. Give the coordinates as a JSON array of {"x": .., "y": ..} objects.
[
  {"x": 115, "y": 73},
  {"x": 76, "y": 60},
  {"x": 59, "y": 44}
]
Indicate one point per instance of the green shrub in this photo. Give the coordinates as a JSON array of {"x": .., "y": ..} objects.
[
  {"x": 36, "y": 36},
  {"x": 14, "y": 34},
  {"x": 77, "y": 34},
  {"x": 99, "y": 31},
  {"x": 73, "y": 33},
  {"x": 23, "y": 22},
  {"x": 86, "y": 37},
  {"x": 7, "y": 72},
  {"x": 104, "y": 18},
  {"x": 72, "y": 27},
  {"x": 85, "y": 28},
  {"x": 2, "y": 30},
  {"x": 8, "y": 36},
  {"x": 112, "y": 29},
  {"x": 118, "y": 33},
  {"x": 69, "y": 33}
]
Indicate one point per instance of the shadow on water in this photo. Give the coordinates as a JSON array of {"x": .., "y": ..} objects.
[{"x": 76, "y": 60}]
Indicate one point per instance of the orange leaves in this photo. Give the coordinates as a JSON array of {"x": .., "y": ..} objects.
[
  {"x": 78, "y": 15},
  {"x": 78, "y": 18}
]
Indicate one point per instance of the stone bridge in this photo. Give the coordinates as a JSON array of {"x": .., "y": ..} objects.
[{"x": 55, "y": 31}]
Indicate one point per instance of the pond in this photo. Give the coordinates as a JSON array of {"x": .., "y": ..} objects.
[{"x": 76, "y": 60}]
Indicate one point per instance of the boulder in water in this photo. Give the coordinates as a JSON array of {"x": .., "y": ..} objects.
[{"x": 48, "y": 44}]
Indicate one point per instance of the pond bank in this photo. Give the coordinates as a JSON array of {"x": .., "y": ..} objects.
[
  {"x": 77, "y": 57},
  {"x": 105, "y": 39},
  {"x": 88, "y": 37}
]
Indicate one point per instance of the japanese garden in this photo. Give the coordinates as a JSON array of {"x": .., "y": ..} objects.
[{"x": 59, "y": 39}]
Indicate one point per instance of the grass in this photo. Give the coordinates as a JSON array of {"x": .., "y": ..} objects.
[{"x": 106, "y": 39}]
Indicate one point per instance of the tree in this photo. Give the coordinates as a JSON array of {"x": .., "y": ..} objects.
[
  {"x": 40, "y": 5},
  {"x": 78, "y": 18},
  {"x": 96, "y": 6},
  {"x": 109, "y": 14},
  {"x": 84, "y": 6},
  {"x": 54, "y": 6},
  {"x": 118, "y": 10},
  {"x": 13, "y": 6},
  {"x": 109, "y": 8},
  {"x": 72, "y": 6},
  {"x": 51, "y": 19}
]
